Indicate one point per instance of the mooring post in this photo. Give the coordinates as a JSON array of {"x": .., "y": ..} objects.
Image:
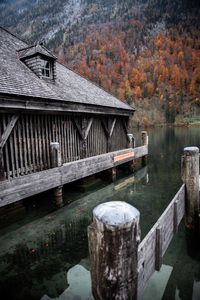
[
  {"x": 113, "y": 238},
  {"x": 145, "y": 138},
  {"x": 145, "y": 142},
  {"x": 190, "y": 176},
  {"x": 56, "y": 161},
  {"x": 131, "y": 144},
  {"x": 131, "y": 140}
]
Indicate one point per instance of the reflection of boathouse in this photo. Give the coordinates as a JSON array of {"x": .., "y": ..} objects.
[{"x": 44, "y": 104}]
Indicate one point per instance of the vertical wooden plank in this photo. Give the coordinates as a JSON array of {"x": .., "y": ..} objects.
[
  {"x": 19, "y": 133},
  {"x": 32, "y": 141},
  {"x": 16, "y": 149},
  {"x": 47, "y": 141},
  {"x": 44, "y": 151},
  {"x": 40, "y": 143},
  {"x": 70, "y": 139},
  {"x": 6, "y": 151},
  {"x": 65, "y": 137},
  {"x": 59, "y": 135},
  {"x": 12, "y": 154},
  {"x": 2, "y": 170},
  {"x": 24, "y": 144},
  {"x": 28, "y": 143},
  {"x": 62, "y": 139},
  {"x": 36, "y": 143},
  {"x": 73, "y": 142},
  {"x": 158, "y": 252}
]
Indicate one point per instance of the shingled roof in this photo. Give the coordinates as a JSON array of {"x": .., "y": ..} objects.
[{"x": 17, "y": 79}]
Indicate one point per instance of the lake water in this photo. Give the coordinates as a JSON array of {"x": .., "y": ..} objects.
[{"x": 44, "y": 255}]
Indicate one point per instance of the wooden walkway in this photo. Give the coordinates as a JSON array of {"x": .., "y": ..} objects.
[{"x": 31, "y": 184}]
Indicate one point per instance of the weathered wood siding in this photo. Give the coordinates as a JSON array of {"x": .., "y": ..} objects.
[
  {"x": 27, "y": 149},
  {"x": 154, "y": 245}
]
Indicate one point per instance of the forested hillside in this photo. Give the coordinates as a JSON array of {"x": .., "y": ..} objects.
[{"x": 142, "y": 51}]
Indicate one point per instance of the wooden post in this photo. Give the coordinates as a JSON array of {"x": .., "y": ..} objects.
[
  {"x": 145, "y": 138},
  {"x": 58, "y": 196},
  {"x": 131, "y": 140},
  {"x": 56, "y": 161},
  {"x": 145, "y": 142},
  {"x": 190, "y": 176},
  {"x": 113, "y": 237},
  {"x": 112, "y": 174}
]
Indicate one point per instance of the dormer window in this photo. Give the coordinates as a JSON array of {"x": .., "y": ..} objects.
[
  {"x": 40, "y": 60},
  {"x": 46, "y": 68}
]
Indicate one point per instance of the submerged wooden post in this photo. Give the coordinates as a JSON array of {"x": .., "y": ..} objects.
[
  {"x": 190, "y": 176},
  {"x": 56, "y": 161},
  {"x": 113, "y": 237}
]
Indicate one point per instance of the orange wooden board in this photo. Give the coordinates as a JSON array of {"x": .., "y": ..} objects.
[{"x": 124, "y": 156}]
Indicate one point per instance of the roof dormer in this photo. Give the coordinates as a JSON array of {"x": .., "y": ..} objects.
[{"x": 40, "y": 60}]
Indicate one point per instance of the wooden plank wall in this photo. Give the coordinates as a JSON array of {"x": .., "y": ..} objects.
[
  {"x": 27, "y": 149},
  {"x": 153, "y": 247}
]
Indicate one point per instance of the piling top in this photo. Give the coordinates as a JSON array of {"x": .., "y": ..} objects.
[
  {"x": 116, "y": 213},
  {"x": 54, "y": 145},
  {"x": 191, "y": 150}
]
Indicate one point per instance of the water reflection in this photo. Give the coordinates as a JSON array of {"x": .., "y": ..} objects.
[
  {"x": 79, "y": 285},
  {"x": 41, "y": 258}
]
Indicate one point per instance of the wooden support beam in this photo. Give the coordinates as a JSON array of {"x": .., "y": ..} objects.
[
  {"x": 87, "y": 130},
  {"x": 113, "y": 238},
  {"x": 112, "y": 127},
  {"x": 8, "y": 130}
]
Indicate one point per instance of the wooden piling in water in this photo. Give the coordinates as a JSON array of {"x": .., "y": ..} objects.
[
  {"x": 190, "y": 176},
  {"x": 145, "y": 142},
  {"x": 56, "y": 161},
  {"x": 113, "y": 238}
]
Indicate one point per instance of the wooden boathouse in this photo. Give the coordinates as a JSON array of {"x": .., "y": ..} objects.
[{"x": 55, "y": 126}]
